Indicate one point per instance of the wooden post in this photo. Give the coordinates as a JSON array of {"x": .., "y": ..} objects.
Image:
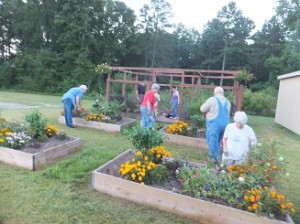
[{"x": 108, "y": 88}]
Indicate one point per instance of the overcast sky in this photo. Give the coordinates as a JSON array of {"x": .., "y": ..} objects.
[{"x": 196, "y": 13}]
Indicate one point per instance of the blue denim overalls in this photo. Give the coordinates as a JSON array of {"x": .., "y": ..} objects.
[{"x": 215, "y": 129}]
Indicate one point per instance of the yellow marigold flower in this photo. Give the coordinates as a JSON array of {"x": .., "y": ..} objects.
[
  {"x": 7, "y": 133},
  {"x": 266, "y": 187},
  {"x": 273, "y": 193},
  {"x": 289, "y": 204},
  {"x": 142, "y": 183},
  {"x": 293, "y": 210},
  {"x": 252, "y": 198},
  {"x": 282, "y": 206},
  {"x": 249, "y": 208},
  {"x": 255, "y": 206},
  {"x": 139, "y": 153},
  {"x": 133, "y": 176},
  {"x": 140, "y": 178},
  {"x": 246, "y": 198},
  {"x": 1, "y": 140},
  {"x": 148, "y": 167},
  {"x": 158, "y": 156},
  {"x": 146, "y": 158},
  {"x": 280, "y": 197},
  {"x": 257, "y": 197},
  {"x": 133, "y": 160}
]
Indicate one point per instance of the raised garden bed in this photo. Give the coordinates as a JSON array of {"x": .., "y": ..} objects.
[
  {"x": 185, "y": 140},
  {"x": 109, "y": 127},
  {"x": 34, "y": 159},
  {"x": 198, "y": 210}
]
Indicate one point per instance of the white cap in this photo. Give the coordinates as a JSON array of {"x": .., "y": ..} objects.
[
  {"x": 240, "y": 117},
  {"x": 83, "y": 87},
  {"x": 155, "y": 86}
]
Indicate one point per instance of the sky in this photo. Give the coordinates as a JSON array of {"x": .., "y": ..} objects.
[{"x": 196, "y": 13}]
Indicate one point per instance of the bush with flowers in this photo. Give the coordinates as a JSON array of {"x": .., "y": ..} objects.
[
  {"x": 251, "y": 186},
  {"x": 183, "y": 128},
  {"x": 17, "y": 135},
  {"x": 178, "y": 128},
  {"x": 103, "y": 68}
]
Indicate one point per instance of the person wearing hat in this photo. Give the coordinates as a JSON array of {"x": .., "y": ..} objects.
[
  {"x": 217, "y": 112},
  {"x": 237, "y": 140},
  {"x": 148, "y": 106},
  {"x": 71, "y": 99}
]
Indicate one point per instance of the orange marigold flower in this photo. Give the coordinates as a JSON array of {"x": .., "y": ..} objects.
[{"x": 252, "y": 198}]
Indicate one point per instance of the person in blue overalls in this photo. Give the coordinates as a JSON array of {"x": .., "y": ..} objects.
[
  {"x": 217, "y": 111},
  {"x": 71, "y": 99}
]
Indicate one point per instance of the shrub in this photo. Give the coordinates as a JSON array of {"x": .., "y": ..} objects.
[
  {"x": 37, "y": 124},
  {"x": 144, "y": 139},
  {"x": 259, "y": 103}
]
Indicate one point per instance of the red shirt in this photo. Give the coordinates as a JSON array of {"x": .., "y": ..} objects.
[{"x": 149, "y": 96}]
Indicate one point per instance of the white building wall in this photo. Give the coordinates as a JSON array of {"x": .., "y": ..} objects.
[{"x": 288, "y": 102}]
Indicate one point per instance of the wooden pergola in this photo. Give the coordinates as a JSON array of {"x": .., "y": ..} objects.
[{"x": 195, "y": 79}]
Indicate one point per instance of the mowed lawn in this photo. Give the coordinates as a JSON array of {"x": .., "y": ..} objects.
[{"x": 62, "y": 193}]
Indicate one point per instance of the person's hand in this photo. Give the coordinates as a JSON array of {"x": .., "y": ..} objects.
[{"x": 78, "y": 108}]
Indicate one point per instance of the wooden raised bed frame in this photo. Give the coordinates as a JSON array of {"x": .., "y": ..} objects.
[
  {"x": 184, "y": 140},
  {"x": 192, "y": 208},
  {"x": 125, "y": 122},
  {"x": 35, "y": 161}
]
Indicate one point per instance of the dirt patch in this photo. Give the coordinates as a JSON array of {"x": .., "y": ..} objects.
[{"x": 36, "y": 146}]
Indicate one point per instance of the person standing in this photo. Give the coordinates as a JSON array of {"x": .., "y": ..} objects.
[
  {"x": 175, "y": 101},
  {"x": 237, "y": 140},
  {"x": 217, "y": 111},
  {"x": 148, "y": 106},
  {"x": 71, "y": 99},
  {"x": 140, "y": 92}
]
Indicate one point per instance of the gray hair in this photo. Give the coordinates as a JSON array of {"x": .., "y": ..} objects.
[
  {"x": 155, "y": 86},
  {"x": 83, "y": 87},
  {"x": 218, "y": 90},
  {"x": 240, "y": 117}
]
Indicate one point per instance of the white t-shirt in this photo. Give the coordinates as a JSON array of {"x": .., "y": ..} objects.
[{"x": 238, "y": 141}]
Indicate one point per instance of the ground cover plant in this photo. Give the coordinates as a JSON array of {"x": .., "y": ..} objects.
[{"x": 61, "y": 193}]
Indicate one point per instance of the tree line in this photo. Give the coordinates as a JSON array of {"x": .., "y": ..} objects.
[{"x": 49, "y": 45}]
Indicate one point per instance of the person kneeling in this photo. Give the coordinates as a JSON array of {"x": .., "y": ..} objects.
[{"x": 237, "y": 140}]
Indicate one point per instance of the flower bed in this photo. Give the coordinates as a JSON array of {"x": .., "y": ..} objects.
[
  {"x": 34, "y": 144},
  {"x": 109, "y": 127},
  {"x": 184, "y": 140},
  {"x": 104, "y": 179},
  {"x": 38, "y": 160}
]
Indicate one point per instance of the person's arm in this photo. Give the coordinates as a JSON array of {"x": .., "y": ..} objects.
[
  {"x": 77, "y": 101},
  {"x": 178, "y": 96},
  {"x": 137, "y": 93}
]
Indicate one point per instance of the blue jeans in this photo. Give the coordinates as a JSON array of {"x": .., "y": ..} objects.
[
  {"x": 68, "y": 111},
  {"x": 147, "y": 119},
  {"x": 174, "y": 106}
]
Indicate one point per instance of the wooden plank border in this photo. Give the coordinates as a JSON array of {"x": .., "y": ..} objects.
[
  {"x": 184, "y": 140},
  {"x": 192, "y": 208},
  {"x": 39, "y": 160},
  {"x": 125, "y": 122}
]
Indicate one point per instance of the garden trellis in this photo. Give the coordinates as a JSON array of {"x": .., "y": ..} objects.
[{"x": 195, "y": 79}]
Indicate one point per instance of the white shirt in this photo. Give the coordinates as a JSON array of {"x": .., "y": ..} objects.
[{"x": 238, "y": 141}]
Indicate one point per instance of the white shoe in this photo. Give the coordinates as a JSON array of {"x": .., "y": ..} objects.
[{"x": 175, "y": 118}]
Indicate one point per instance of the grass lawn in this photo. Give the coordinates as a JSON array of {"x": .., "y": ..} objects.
[{"x": 62, "y": 193}]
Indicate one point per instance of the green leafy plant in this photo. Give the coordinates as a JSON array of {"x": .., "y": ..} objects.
[
  {"x": 37, "y": 124},
  {"x": 198, "y": 120},
  {"x": 144, "y": 139}
]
